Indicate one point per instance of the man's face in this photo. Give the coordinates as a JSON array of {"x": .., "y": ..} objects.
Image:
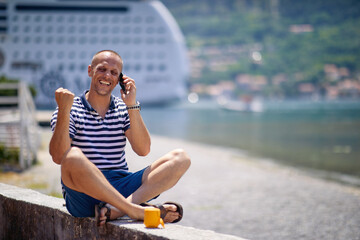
[{"x": 104, "y": 73}]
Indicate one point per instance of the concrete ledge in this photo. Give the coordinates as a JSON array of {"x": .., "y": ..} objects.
[{"x": 27, "y": 214}]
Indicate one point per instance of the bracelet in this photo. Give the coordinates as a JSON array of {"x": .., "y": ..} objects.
[{"x": 133, "y": 107}]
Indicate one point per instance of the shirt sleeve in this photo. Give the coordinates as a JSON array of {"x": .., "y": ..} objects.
[{"x": 126, "y": 122}]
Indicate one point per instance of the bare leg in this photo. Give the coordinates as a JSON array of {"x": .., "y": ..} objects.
[
  {"x": 79, "y": 174},
  {"x": 160, "y": 176}
]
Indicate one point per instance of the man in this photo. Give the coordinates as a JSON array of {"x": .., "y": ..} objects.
[{"x": 88, "y": 142}]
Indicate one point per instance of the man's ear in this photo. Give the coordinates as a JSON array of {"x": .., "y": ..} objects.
[{"x": 90, "y": 71}]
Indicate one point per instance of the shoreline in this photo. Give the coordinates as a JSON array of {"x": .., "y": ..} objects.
[{"x": 228, "y": 192}]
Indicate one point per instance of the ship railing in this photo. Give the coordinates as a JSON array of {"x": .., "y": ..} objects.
[{"x": 18, "y": 125}]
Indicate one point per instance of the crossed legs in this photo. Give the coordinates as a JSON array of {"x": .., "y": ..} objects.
[{"x": 79, "y": 174}]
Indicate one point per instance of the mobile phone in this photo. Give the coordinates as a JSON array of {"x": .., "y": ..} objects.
[{"x": 121, "y": 82}]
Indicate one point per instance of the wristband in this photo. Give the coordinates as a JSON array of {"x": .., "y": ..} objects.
[{"x": 134, "y": 107}]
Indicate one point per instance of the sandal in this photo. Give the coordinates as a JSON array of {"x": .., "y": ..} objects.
[
  {"x": 163, "y": 211},
  {"x": 98, "y": 212}
]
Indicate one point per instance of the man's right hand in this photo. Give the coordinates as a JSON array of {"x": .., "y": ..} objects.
[{"x": 64, "y": 99}]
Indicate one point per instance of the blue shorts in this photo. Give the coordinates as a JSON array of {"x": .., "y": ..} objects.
[{"x": 81, "y": 205}]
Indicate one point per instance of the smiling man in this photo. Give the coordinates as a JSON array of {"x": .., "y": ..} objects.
[{"x": 89, "y": 137}]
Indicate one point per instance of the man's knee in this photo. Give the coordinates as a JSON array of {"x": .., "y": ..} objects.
[
  {"x": 72, "y": 157},
  {"x": 181, "y": 158}
]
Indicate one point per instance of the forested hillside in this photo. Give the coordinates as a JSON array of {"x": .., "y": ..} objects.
[{"x": 290, "y": 43}]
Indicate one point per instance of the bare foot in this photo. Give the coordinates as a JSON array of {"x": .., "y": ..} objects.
[{"x": 171, "y": 214}]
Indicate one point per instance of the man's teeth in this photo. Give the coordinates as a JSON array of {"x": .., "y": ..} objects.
[{"x": 106, "y": 83}]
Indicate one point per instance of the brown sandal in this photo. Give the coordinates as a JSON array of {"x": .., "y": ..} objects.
[
  {"x": 163, "y": 211},
  {"x": 98, "y": 212}
]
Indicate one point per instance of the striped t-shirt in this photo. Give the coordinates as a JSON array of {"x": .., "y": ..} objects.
[{"x": 101, "y": 140}]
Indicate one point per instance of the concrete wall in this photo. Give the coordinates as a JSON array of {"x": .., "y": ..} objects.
[{"x": 27, "y": 214}]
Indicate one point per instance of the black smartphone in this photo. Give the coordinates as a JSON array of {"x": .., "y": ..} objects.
[{"x": 121, "y": 82}]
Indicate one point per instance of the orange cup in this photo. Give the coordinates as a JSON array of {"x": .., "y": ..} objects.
[{"x": 152, "y": 218}]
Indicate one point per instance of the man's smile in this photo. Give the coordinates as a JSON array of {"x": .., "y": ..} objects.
[{"x": 105, "y": 83}]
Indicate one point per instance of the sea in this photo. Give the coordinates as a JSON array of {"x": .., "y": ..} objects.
[{"x": 320, "y": 137}]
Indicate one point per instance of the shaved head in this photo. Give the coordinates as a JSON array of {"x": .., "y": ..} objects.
[{"x": 110, "y": 52}]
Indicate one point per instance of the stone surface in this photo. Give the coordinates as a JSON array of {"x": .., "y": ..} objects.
[{"x": 27, "y": 214}]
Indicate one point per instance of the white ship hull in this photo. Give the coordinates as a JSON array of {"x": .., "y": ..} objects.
[{"x": 49, "y": 44}]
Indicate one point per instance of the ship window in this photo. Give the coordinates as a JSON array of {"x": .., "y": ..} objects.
[
  {"x": 150, "y": 19},
  {"x": 93, "y": 40},
  {"x": 49, "y": 55},
  {"x": 16, "y": 54},
  {"x": 49, "y": 18},
  {"x": 26, "y": 18},
  {"x": 61, "y": 67},
  {"x": 126, "y": 20},
  {"x": 105, "y": 30},
  {"x": 161, "y": 41},
  {"x": 126, "y": 30},
  {"x": 15, "y": 28},
  {"x": 126, "y": 40},
  {"x": 60, "y": 40},
  {"x": 38, "y": 40},
  {"x": 150, "y": 30},
  {"x": 161, "y": 30},
  {"x": 115, "y": 29},
  {"x": 27, "y": 55},
  {"x": 83, "y": 55},
  {"x": 137, "y": 19},
  {"x": 82, "y": 40},
  {"x": 150, "y": 40},
  {"x": 38, "y": 54},
  {"x": 27, "y": 39},
  {"x": 38, "y": 29},
  {"x": 115, "y": 19},
  {"x": 104, "y": 19},
  {"x": 161, "y": 55},
  {"x": 60, "y": 55},
  {"x": 49, "y": 40},
  {"x": 150, "y": 55},
  {"x": 60, "y": 18},
  {"x": 94, "y": 29},
  {"x": 60, "y": 29},
  {"x": 137, "y": 40},
  {"x": 16, "y": 39},
  {"x": 83, "y": 67},
  {"x": 71, "y": 40},
  {"x": 150, "y": 67},
  {"x": 15, "y": 18},
  {"x": 37, "y": 18},
  {"x": 93, "y": 19},
  {"x": 71, "y": 67},
  {"x": 49, "y": 29},
  {"x": 71, "y": 18},
  {"x": 104, "y": 40},
  {"x": 83, "y": 29},
  {"x": 71, "y": 29},
  {"x": 137, "y": 67},
  {"x": 71, "y": 55},
  {"x": 82, "y": 19},
  {"x": 27, "y": 29},
  {"x": 137, "y": 30},
  {"x": 162, "y": 67},
  {"x": 137, "y": 55},
  {"x": 116, "y": 40}
]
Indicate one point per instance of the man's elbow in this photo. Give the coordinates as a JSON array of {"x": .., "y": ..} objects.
[{"x": 143, "y": 151}]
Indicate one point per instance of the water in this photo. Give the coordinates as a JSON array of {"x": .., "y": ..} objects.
[{"x": 322, "y": 136}]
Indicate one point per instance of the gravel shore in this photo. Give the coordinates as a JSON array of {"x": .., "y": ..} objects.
[{"x": 230, "y": 192}]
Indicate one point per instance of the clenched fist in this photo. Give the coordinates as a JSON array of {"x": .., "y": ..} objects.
[{"x": 64, "y": 99}]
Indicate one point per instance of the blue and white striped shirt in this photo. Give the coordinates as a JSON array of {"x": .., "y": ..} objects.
[{"x": 101, "y": 140}]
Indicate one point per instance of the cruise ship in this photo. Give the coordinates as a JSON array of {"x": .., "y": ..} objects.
[{"x": 50, "y": 43}]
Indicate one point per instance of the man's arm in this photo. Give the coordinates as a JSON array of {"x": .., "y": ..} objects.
[
  {"x": 137, "y": 134},
  {"x": 60, "y": 142}
]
